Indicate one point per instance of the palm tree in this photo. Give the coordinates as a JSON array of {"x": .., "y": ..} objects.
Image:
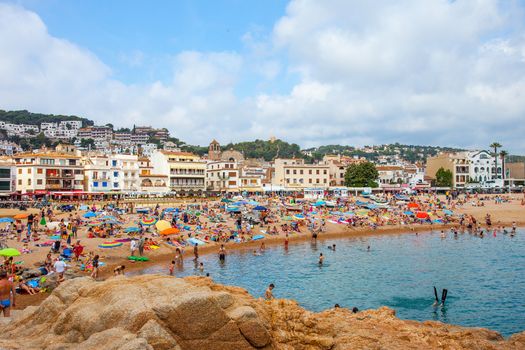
[
  {"x": 503, "y": 154},
  {"x": 495, "y": 146}
]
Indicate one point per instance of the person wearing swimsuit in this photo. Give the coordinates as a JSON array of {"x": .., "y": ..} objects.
[
  {"x": 222, "y": 253},
  {"x": 7, "y": 292}
]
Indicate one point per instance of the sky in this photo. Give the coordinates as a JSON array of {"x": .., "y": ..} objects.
[{"x": 433, "y": 72}]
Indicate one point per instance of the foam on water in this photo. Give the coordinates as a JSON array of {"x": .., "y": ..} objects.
[{"x": 485, "y": 277}]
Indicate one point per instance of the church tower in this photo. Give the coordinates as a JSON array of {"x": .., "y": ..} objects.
[{"x": 214, "y": 150}]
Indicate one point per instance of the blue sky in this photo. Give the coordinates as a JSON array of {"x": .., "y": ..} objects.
[
  {"x": 431, "y": 72},
  {"x": 138, "y": 38}
]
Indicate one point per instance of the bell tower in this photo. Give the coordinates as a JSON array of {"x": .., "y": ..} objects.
[{"x": 214, "y": 150}]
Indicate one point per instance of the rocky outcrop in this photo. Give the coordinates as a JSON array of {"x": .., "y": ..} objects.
[{"x": 162, "y": 312}]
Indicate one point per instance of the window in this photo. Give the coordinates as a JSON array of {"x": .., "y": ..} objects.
[
  {"x": 114, "y": 163},
  {"x": 28, "y": 182},
  {"x": 20, "y": 171},
  {"x": 310, "y": 181},
  {"x": 20, "y": 182},
  {"x": 324, "y": 180},
  {"x": 95, "y": 184},
  {"x": 115, "y": 174},
  {"x": 295, "y": 172},
  {"x": 316, "y": 181},
  {"x": 310, "y": 171},
  {"x": 104, "y": 184},
  {"x": 39, "y": 181},
  {"x": 29, "y": 170},
  {"x": 287, "y": 172},
  {"x": 325, "y": 172},
  {"x": 115, "y": 184},
  {"x": 317, "y": 171},
  {"x": 5, "y": 172},
  {"x": 5, "y": 185},
  {"x": 301, "y": 171},
  {"x": 39, "y": 171}
]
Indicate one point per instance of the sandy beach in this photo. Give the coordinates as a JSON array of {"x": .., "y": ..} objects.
[{"x": 504, "y": 214}]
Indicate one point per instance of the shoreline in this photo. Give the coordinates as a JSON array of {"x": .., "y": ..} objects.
[{"x": 165, "y": 258}]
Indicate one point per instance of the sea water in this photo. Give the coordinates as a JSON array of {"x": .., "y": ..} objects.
[{"x": 485, "y": 277}]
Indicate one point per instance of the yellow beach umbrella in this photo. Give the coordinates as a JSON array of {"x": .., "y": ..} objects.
[{"x": 162, "y": 225}]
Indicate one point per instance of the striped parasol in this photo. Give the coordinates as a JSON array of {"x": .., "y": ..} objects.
[{"x": 148, "y": 221}]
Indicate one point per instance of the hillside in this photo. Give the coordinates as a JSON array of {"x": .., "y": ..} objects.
[
  {"x": 410, "y": 153},
  {"x": 158, "y": 312},
  {"x": 26, "y": 117}
]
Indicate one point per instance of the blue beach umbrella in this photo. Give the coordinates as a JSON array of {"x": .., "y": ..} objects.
[
  {"x": 408, "y": 213},
  {"x": 6, "y": 220},
  {"x": 90, "y": 214}
]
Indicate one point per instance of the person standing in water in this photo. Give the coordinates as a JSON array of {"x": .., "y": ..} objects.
[
  {"x": 222, "y": 254},
  {"x": 321, "y": 259},
  {"x": 196, "y": 252},
  {"x": 286, "y": 242}
]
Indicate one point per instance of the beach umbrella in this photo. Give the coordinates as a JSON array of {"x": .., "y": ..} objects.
[
  {"x": 408, "y": 213},
  {"x": 162, "y": 225},
  {"x": 169, "y": 210},
  {"x": 20, "y": 216},
  {"x": 131, "y": 229},
  {"x": 170, "y": 231},
  {"x": 148, "y": 221},
  {"x": 8, "y": 252},
  {"x": 421, "y": 215},
  {"x": 299, "y": 217},
  {"x": 89, "y": 214},
  {"x": 6, "y": 220},
  {"x": 260, "y": 208}
]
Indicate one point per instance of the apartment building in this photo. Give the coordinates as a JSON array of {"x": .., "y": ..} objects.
[
  {"x": 295, "y": 174},
  {"x": 7, "y": 175},
  {"x": 186, "y": 171},
  {"x": 222, "y": 176},
  {"x": 149, "y": 181},
  {"x": 111, "y": 173},
  {"x": 48, "y": 171},
  {"x": 467, "y": 166}
]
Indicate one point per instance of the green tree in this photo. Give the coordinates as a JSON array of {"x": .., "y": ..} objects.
[
  {"x": 87, "y": 143},
  {"x": 361, "y": 175},
  {"x": 443, "y": 178},
  {"x": 495, "y": 146}
]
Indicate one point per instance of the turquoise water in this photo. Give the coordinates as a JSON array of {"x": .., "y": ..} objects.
[{"x": 485, "y": 277}]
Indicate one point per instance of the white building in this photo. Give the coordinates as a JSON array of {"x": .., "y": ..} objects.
[
  {"x": 186, "y": 171},
  {"x": 222, "y": 176},
  {"x": 111, "y": 173}
]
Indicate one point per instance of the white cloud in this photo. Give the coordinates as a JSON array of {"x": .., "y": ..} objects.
[{"x": 425, "y": 72}]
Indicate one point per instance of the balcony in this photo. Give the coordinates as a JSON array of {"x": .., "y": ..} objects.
[{"x": 187, "y": 172}]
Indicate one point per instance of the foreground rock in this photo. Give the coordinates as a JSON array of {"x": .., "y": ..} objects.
[{"x": 161, "y": 312}]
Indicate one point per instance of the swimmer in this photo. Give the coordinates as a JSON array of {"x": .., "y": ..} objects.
[
  {"x": 443, "y": 234},
  {"x": 332, "y": 247},
  {"x": 201, "y": 267},
  {"x": 268, "y": 295},
  {"x": 336, "y": 306},
  {"x": 368, "y": 248},
  {"x": 255, "y": 253},
  {"x": 321, "y": 259}
]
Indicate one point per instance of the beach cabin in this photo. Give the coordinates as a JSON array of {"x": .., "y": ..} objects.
[
  {"x": 339, "y": 192},
  {"x": 314, "y": 193}
]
